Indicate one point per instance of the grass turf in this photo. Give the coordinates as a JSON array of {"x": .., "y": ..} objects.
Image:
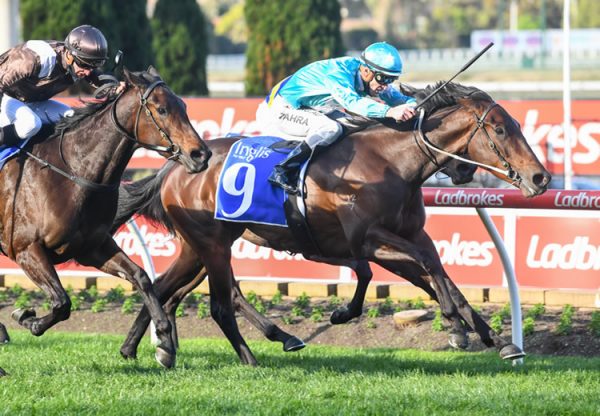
[{"x": 64, "y": 373}]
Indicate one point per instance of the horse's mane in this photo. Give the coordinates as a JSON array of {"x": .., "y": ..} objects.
[
  {"x": 446, "y": 97},
  {"x": 81, "y": 113},
  {"x": 90, "y": 108}
]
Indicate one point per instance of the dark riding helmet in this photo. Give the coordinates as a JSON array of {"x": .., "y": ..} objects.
[{"x": 88, "y": 46}]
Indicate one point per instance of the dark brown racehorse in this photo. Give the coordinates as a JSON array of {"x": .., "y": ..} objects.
[
  {"x": 363, "y": 203},
  {"x": 58, "y": 199}
]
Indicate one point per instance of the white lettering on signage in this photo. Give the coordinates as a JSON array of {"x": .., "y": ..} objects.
[
  {"x": 461, "y": 198},
  {"x": 578, "y": 255},
  {"x": 587, "y": 136},
  {"x": 464, "y": 253},
  {"x": 158, "y": 243},
  {"x": 581, "y": 200},
  {"x": 211, "y": 128},
  {"x": 243, "y": 250}
]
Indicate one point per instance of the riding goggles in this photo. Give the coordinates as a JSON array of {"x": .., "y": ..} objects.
[
  {"x": 384, "y": 79},
  {"x": 92, "y": 64}
]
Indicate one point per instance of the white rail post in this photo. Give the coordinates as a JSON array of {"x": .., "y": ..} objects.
[
  {"x": 513, "y": 287},
  {"x": 148, "y": 267}
]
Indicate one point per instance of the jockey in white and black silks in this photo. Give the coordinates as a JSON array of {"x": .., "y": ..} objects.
[
  {"x": 299, "y": 105},
  {"x": 35, "y": 71}
]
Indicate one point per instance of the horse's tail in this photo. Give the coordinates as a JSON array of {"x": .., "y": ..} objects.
[{"x": 143, "y": 198}]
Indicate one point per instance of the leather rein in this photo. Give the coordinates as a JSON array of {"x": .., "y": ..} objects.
[
  {"x": 84, "y": 183},
  {"x": 480, "y": 124}
]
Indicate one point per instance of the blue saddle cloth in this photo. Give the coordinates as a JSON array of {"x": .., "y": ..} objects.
[
  {"x": 6, "y": 152},
  {"x": 244, "y": 194}
]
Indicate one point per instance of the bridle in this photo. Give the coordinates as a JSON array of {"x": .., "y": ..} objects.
[
  {"x": 173, "y": 148},
  {"x": 480, "y": 124}
]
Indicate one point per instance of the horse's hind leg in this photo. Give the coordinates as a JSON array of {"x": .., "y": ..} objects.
[
  {"x": 354, "y": 309},
  {"x": 35, "y": 263},
  {"x": 268, "y": 328},
  {"x": 4, "y": 338},
  {"x": 217, "y": 260}
]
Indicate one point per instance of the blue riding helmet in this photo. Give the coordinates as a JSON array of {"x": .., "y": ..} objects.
[{"x": 382, "y": 57}]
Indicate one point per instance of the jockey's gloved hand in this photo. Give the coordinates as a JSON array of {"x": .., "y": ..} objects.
[
  {"x": 109, "y": 88},
  {"x": 401, "y": 112}
]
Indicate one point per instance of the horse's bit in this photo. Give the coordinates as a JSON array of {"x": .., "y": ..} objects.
[{"x": 480, "y": 124}]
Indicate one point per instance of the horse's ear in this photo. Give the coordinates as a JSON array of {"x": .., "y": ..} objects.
[
  {"x": 152, "y": 71},
  {"x": 132, "y": 78}
]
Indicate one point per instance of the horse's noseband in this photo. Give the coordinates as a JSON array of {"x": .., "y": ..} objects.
[
  {"x": 173, "y": 149},
  {"x": 480, "y": 124}
]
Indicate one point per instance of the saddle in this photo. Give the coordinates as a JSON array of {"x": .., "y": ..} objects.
[{"x": 294, "y": 208}]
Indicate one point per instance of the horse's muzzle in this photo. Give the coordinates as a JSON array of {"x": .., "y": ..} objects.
[
  {"x": 196, "y": 161},
  {"x": 537, "y": 185}
]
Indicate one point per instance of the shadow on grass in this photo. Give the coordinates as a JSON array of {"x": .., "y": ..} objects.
[{"x": 210, "y": 354}]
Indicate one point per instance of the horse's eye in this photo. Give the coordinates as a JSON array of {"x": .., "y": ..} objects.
[
  {"x": 499, "y": 131},
  {"x": 162, "y": 111}
]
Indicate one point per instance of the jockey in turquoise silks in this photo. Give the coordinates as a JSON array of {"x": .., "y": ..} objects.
[{"x": 301, "y": 106}]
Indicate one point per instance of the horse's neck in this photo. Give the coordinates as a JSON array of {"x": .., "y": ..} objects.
[
  {"x": 99, "y": 151},
  {"x": 404, "y": 150}
]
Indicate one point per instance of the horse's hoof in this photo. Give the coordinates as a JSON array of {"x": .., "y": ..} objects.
[
  {"x": 165, "y": 358},
  {"x": 127, "y": 354},
  {"x": 20, "y": 315},
  {"x": 293, "y": 344},
  {"x": 340, "y": 316},
  {"x": 4, "y": 338},
  {"x": 3, "y": 373},
  {"x": 458, "y": 341},
  {"x": 511, "y": 352}
]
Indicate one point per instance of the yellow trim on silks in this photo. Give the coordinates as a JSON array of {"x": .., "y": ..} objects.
[{"x": 275, "y": 90}]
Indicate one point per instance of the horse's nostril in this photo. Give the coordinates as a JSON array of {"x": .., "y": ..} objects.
[
  {"x": 541, "y": 179},
  {"x": 200, "y": 155}
]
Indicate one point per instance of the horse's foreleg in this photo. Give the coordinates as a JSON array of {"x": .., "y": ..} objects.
[
  {"x": 389, "y": 250},
  {"x": 110, "y": 259},
  {"x": 37, "y": 266},
  {"x": 506, "y": 349},
  {"x": 416, "y": 275},
  {"x": 354, "y": 309},
  {"x": 268, "y": 328}
]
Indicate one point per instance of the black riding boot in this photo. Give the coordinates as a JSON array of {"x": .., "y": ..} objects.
[
  {"x": 8, "y": 136},
  {"x": 285, "y": 174}
]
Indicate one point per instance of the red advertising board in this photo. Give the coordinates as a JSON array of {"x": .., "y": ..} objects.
[
  {"x": 558, "y": 252},
  {"x": 541, "y": 122},
  {"x": 549, "y": 252},
  {"x": 465, "y": 248}
]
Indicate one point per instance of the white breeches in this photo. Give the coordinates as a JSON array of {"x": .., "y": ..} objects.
[
  {"x": 282, "y": 120},
  {"x": 29, "y": 117}
]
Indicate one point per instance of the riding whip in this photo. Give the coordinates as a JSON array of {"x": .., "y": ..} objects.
[{"x": 468, "y": 64}]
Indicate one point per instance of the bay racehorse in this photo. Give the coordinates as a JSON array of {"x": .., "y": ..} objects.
[
  {"x": 59, "y": 196},
  {"x": 363, "y": 204},
  {"x": 187, "y": 272}
]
